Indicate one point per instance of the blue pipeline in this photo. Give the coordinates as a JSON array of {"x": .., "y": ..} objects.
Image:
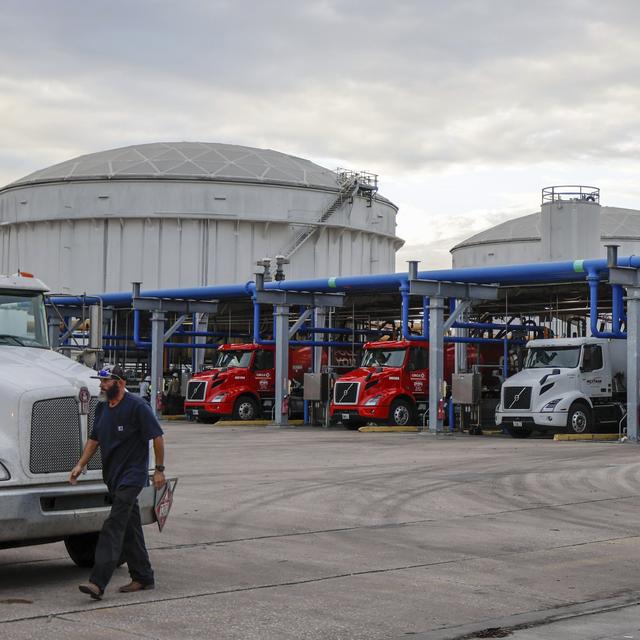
[
  {"x": 139, "y": 342},
  {"x": 452, "y": 414},
  {"x": 493, "y": 325},
  {"x": 293, "y": 343},
  {"x": 469, "y": 340},
  {"x": 546, "y": 272},
  {"x": 406, "y": 332},
  {"x": 543, "y": 272},
  {"x": 593, "y": 280},
  {"x": 342, "y": 332}
]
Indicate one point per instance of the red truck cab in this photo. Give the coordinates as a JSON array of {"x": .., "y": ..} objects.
[
  {"x": 241, "y": 385},
  {"x": 391, "y": 386}
]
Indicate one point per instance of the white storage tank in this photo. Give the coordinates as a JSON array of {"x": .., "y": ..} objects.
[
  {"x": 191, "y": 213},
  {"x": 570, "y": 225}
]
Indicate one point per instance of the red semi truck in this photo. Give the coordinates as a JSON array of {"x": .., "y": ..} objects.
[
  {"x": 241, "y": 384},
  {"x": 391, "y": 386}
]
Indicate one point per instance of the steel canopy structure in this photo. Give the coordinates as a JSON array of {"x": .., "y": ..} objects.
[{"x": 593, "y": 272}]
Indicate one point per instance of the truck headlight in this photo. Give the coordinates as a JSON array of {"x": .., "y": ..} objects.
[
  {"x": 550, "y": 406},
  {"x": 220, "y": 397},
  {"x": 4, "y": 472},
  {"x": 372, "y": 402}
]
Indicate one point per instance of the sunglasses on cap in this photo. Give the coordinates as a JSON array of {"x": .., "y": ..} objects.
[{"x": 107, "y": 374}]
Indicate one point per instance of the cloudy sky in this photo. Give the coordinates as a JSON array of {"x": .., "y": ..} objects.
[{"x": 465, "y": 108}]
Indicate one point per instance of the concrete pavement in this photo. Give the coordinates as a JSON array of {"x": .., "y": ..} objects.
[{"x": 309, "y": 533}]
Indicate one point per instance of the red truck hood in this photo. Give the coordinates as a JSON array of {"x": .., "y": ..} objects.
[{"x": 361, "y": 373}]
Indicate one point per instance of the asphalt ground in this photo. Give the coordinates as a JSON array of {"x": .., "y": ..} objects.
[{"x": 313, "y": 533}]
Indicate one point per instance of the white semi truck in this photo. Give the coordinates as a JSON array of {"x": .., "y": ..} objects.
[
  {"x": 47, "y": 403},
  {"x": 572, "y": 384}
]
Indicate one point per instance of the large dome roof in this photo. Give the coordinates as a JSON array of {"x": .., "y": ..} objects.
[
  {"x": 187, "y": 161},
  {"x": 616, "y": 223}
]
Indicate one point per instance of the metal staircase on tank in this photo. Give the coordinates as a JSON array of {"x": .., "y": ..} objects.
[{"x": 351, "y": 183}]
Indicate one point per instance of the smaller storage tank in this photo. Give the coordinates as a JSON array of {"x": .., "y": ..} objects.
[{"x": 570, "y": 225}]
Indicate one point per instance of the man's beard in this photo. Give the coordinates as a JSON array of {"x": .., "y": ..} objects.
[{"x": 112, "y": 392}]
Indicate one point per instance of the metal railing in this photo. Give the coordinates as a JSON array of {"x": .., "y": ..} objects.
[{"x": 571, "y": 192}]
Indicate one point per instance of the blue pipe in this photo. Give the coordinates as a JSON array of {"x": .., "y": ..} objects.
[
  {"x": 406, "y": 332},
  {"x": 294, "y": 343},
  {"x": 374, "y": 332},
  {"x": 494, "y": 325},
  {"x": 139, "y": 342},
  {"x": 451, "y": 414},
  {"x": 543, "y": 272},
  {"x": 593, "y": 279},
  {"x": 467, "y": 339},
  {"x": 617, "y": 309},
  {"x": 256, "y": 326}
]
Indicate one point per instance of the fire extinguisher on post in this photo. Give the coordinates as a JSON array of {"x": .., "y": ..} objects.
[
  {"x": 440, "y": 409},
  {"x": 285, "y": 405},
  {"x": 159, "y": 402}
]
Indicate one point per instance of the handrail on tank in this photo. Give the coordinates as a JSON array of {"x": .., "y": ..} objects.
[{"x": 571, "y": 192}]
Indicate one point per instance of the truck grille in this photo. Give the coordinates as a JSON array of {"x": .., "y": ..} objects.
[
  {"x": 55, "y": 435},
  {"x": 196, "y": 390},
  {"x": 517, "y": 398},
  {"x": 346, "y": 392}
]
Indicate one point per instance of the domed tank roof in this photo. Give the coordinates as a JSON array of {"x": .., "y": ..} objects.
[
  {"x": 616, "y": 223},
  {"x": 187, "y": 161}
]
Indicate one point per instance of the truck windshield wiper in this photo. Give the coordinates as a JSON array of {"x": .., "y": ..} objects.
[{"x": 9, "y": 337}]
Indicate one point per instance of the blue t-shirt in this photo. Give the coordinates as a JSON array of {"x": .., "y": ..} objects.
[{"x": 123, "y": 433}]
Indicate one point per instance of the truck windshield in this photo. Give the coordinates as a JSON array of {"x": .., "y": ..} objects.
[
  {"x": 383, "y": 358},
  {"x": 232, "y": 359},
  {"x": 22, "y": 320},
  {"x": 562, "y": 357}
]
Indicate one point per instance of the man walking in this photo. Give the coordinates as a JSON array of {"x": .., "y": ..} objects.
[{"x": 122, "y": 427}]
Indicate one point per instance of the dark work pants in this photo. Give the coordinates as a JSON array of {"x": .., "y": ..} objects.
[{"x": 122, "y": 538}]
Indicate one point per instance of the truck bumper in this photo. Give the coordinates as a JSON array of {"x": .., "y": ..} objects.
[
  {"x": 208, "y": 409},
  {"x": 539, "y": 420},
  {"x": 54, "y": 512},
  {"x": 359, "y": 413}
]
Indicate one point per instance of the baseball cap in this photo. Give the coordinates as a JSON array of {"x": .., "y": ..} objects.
[{"x": 110, "y": 373}]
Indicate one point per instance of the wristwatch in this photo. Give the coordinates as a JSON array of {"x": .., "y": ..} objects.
[{"x": 160, "y": 467}]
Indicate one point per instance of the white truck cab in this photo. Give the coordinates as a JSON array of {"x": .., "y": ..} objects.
[
  {"x": 47, "y": 403},
  {"x": 575, "y": 384}
]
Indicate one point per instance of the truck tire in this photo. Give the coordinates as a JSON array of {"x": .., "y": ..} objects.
[
  {"x": 245, "y": 408},
  {"x": 519, "y": 432},
  {"x": 401, "y": 413},
  {"x": 82, "y": 548},
  {"x": 579, "y": 418}
]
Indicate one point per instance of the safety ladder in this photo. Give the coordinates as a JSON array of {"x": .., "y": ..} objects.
[{"x": 348, "y": 189}]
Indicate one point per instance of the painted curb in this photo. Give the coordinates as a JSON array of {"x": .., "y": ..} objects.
[{"x": 586, "y": 437}]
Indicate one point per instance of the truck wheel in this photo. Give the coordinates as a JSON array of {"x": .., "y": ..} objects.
[
  {"x": 245, "y": 409},
  {"x": 82, "y": 547},
  {"x": 519, "y": 433},
  {"x": 401, "y": 413},
  {"x": 579, "y": 419}
]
